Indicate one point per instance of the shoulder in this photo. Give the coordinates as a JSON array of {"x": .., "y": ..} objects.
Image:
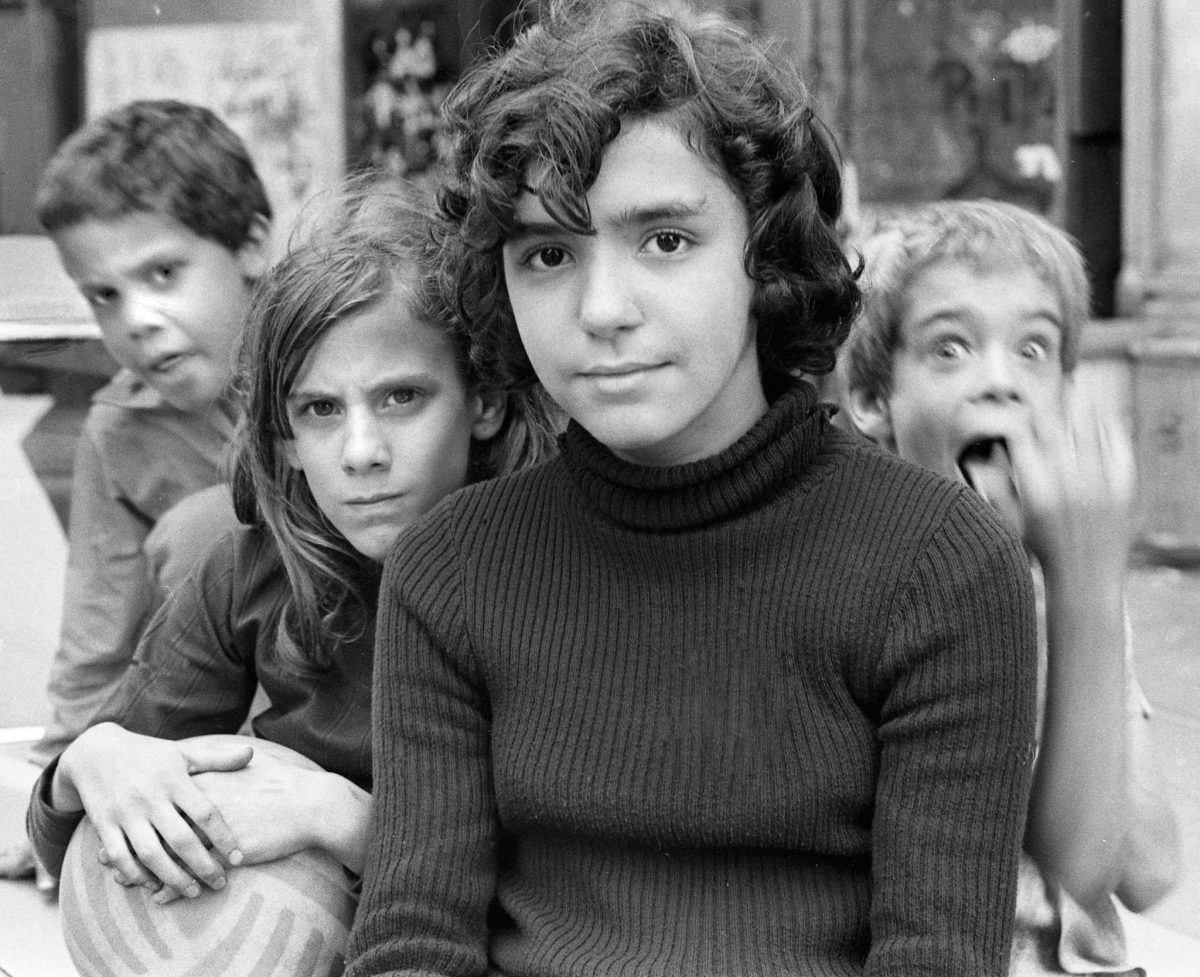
[
  {"x": 126, "y": 391},
  {"x": 492, "y": 506},
  {"x": 241, "y": 566},
  {"x": 889, "y": 533},
  {"x": 123, "y": 411},
  {"x": 486, "y": 517},
  {"x": 880, "y": 486}
]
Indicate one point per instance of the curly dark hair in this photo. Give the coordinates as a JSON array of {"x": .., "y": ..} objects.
[
  {"x": 159, "y": 156},
  {"x": 538, "y": 116}
]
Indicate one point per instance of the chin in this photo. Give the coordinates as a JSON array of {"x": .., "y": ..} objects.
[
  {"x": 192, "y": 399},
  {"x": 375, "y": 548}
]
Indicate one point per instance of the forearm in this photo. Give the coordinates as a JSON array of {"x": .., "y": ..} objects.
[
  {"x": 106, "y": 600},
  {"x": 1081, "y": 800},
  {"x": 1151, "y": 858},
  {"x": 342, "y": 817}
]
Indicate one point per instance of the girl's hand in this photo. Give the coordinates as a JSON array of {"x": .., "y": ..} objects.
[
  {"x": 276, "y": 808},
  {"x": 155, "y": 824},
  {"x": 1074, "y": 476},
  {"x": 272, "y": 807}
]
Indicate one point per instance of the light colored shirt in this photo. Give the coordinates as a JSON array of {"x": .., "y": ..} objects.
[{"x": 137, "y": 456}]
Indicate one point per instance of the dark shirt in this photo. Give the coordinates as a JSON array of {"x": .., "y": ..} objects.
[
  {"x": 769, "y": 713},
  {"x": 199, "y": 663}
]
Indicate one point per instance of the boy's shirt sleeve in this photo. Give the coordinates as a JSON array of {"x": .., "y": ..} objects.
[
  {"x": 195, "y": 671},
  {"x": 107, "y": 598},
  {"x": 956, "y": 728},
  {"x": 49, "y": 830},
  {"x": 136, "y": 458}
]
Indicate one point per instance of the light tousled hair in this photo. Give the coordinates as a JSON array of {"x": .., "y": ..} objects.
[{"x": 982, "y": 234}]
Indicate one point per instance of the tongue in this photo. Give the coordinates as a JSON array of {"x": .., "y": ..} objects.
[{"x": 990, "y": 474}]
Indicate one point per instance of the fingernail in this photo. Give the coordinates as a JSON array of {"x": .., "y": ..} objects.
[
  {"x": 218, "y": 882},
  {"x": 161, "y": 896},
  {"x": 192, "y": 891},
  {"x": 235, "y": 857},
  {"x": 120, "y": 879}
]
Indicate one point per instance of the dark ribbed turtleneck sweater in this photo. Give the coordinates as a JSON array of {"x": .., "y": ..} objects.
[{"x": 767, "y": 713}]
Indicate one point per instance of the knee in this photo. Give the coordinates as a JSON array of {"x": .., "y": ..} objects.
[{"x": 183, "y": 534}]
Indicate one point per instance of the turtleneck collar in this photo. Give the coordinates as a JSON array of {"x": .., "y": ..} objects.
[{"x": 747, "y": 474}]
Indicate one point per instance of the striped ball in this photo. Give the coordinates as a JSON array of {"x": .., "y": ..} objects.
[{"x": 287, "y": 918}]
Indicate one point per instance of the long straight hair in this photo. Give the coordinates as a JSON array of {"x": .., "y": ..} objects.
[{"x": 374, "y": 247}]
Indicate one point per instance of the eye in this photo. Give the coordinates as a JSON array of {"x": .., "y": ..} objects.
[
  {"x": 402, "y": 397},
  {"x": 949, "y": 349},
  {"x": 668, "y": 242},
  {"x": 1035, "y": 349},
  {"x": 100, "y": 298},
  {"x": 545, "y": 258},
  {"x": 163, "y": 274},
  {"x": 318, "y": 408}
]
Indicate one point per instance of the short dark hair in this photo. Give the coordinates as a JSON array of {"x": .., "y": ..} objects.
[
  {"x": 539, "y": 115},
  {"x": 155, "y": 156}
]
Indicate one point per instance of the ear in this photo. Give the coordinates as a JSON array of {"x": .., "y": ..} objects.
[
  {"x": 871, "y": 415},
  {"x": 254, "y": 255},
  {"x": 490, "y": 408},
  {"x": 288, "y": 447}
]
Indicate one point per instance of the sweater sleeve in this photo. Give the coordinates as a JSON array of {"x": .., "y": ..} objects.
[
  {"x": 431, "y": 868},
  {"x": 958, "y": 693},
  {"x": 49, "y": 829}
]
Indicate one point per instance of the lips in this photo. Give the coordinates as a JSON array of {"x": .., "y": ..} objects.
[
  {"x": 370, "y": 500},
  {"x": 619, "y": 369},
  {"x": 167, "y": 362}
]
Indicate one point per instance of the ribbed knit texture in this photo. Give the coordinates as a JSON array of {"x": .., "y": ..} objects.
[{"x": 768, "y": 713}]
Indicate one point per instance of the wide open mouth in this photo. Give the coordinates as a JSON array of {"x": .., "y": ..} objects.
[{"x": 980, "y": 454}]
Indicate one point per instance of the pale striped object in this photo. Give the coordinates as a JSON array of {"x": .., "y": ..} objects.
[{"x": 287, "y": 918}]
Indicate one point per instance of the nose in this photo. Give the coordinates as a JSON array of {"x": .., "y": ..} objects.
[
  {"x": 364, "y": 448},
  {"x": 1000, "y": 380},
  {"x": 607, "y": 306},
  {"x": 141, "y": 317}
]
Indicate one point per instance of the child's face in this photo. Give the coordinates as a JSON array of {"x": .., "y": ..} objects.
[
  {"x": 642, "y": 332},
  {"x": 169, "y": 302},
  {"x": 382, "y": 423},
  {"x": 980, "y": 352}
]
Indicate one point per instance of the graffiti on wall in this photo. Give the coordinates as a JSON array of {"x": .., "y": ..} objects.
[{"x": 257, "y": 76}]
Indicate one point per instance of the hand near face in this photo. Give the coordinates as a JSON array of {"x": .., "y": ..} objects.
[{"x": 1074, "y": 479}]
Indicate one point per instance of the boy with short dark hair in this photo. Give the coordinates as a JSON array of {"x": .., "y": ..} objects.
[
  {"x": 722, "y": 690},
  {"x": 162, "y": 222},
  {"x": 962, "y": 361}
]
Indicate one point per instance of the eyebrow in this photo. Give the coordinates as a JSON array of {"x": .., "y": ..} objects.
[
  {"x": 961, "y": 313},
  {"x": 421, "y": 378},
  {"x": 633, "y": 216}
]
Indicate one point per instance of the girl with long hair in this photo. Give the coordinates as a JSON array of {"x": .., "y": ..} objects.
[{"x": 362, "y": 412}]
